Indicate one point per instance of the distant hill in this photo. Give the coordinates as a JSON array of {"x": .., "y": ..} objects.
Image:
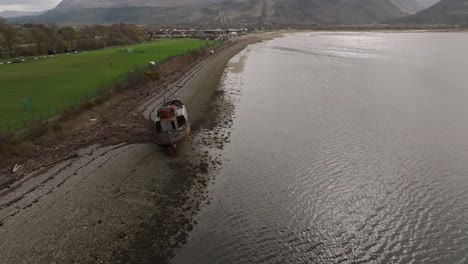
[
  {"x": 427, "y": 3},
  {"x": 444, "y": 12},
  {"x": 88, "y": 4},
  {"x": 13, "y": 13},
  {"x": 216, "y": 12},
  {"x": 408, "y": 6}
]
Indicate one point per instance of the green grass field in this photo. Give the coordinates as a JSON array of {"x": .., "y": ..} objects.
[{"x": 55, "y": 83}]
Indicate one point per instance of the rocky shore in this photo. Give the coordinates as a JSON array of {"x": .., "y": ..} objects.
[{"x": 105, "y": 193}]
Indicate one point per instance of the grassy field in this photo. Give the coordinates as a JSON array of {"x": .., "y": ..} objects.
[{"x": 55, "y": 83}]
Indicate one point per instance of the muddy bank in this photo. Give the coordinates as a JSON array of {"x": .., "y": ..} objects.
[
  {"x": 119, "y": 119},
  {"x": 106, "y": 195},
  {"x": 114, "y": 121}
]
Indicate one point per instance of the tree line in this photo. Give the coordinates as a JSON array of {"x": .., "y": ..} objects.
[{"x": 39, "y": 39}]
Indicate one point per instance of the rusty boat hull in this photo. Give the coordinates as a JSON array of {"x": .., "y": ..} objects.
[{"x": 167, "y": 140}]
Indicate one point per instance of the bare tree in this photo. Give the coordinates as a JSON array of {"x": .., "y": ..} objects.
[
  {"x": 69, "y": 35},
  {"x": 1, "y": 45},
  {"x": 10, "y": 37},
  {"x": 2, "y": 39},
  {"x": 38, "y": 36}
]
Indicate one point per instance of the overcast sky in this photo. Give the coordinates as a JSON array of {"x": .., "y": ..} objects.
[{"x": 27, "y": 5}]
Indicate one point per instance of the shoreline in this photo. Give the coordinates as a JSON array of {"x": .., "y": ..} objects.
[
  {"x": 106, "y": 194},
  {"x": 75, "y": 129}
]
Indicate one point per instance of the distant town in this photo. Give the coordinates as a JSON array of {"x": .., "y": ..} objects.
[{"x": 207, "y": 34}]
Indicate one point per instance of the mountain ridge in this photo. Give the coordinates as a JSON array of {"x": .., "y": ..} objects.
[
  {"x": 408, "y": 6},
  {"x": 15, "y": 13},
  {"x": 89, "y": 4},
  {"x": 218, "y": 12},
  {"x": 443, "y": 12}
]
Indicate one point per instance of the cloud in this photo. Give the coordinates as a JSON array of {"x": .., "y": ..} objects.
[{"x": 27, "y": 5}]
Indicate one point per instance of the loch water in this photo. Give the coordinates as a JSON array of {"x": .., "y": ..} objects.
[{"x": 345, "y": 148}]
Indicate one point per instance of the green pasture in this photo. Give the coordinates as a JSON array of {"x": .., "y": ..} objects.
[{"x": 53, "y": 84}]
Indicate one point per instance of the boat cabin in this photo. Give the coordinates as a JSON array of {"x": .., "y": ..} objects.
[{"x": 171, "y": 117}]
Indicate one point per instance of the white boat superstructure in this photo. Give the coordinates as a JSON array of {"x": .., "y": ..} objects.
[{"x": 172, "y": 123}]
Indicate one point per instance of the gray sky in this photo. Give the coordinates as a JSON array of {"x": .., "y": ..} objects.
[{"x": 27, "y": 5}]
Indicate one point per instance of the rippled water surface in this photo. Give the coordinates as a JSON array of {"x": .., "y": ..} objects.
[{"x": 346, "y": 148}]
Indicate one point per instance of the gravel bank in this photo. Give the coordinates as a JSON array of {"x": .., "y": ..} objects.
[{"x": 117, "y": 198}]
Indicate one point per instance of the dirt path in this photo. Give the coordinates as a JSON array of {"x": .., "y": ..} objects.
[{"x": 121, "y": 202}]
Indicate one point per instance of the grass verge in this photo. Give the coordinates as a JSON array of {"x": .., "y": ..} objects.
[{"x": 52, "y": 85}]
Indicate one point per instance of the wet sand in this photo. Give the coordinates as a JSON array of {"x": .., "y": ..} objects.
[{"x": 121, "y": 202}]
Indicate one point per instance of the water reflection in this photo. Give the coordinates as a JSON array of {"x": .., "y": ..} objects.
[{"x": 347, "y": 148}]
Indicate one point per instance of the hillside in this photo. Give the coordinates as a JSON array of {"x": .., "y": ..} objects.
[
  {"x": 408, "y": 6},
  {"x": 444, "y": 12},
  {"x": 88, "y": 4},
  {"x": 13, "y": 13},
  {"x": 231, "y": 12},
  {"x": 427, "y": 3}
]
